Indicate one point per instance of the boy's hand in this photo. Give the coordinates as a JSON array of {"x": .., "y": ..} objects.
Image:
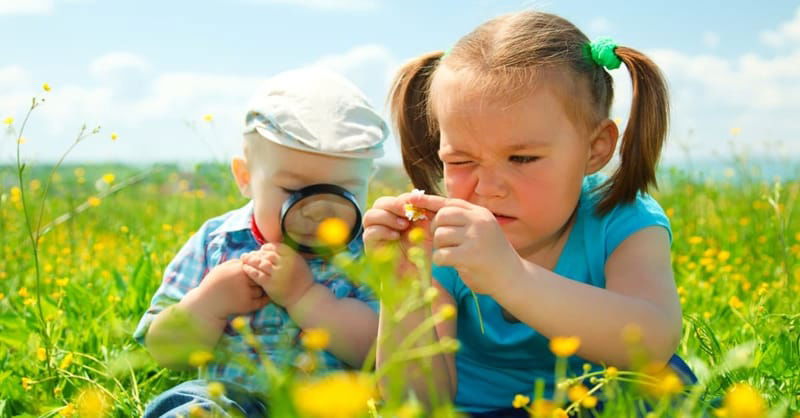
[
  {"x": 280, "y": 271},
  {"x": 227, "y": 290}
]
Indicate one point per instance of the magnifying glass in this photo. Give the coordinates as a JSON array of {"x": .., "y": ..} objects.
[{"x": 307, "y": 208}]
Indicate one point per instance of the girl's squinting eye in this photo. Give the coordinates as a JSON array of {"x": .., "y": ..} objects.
[
  {"x": 288, "y": 191},
  {"x": 457, "y": 162},
  {"x": 522, "y": 159}
]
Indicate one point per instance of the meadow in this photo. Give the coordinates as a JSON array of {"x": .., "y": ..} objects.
[{"x": 83, "y": 247}]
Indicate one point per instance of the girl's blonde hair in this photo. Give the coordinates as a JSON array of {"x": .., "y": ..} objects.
[{"x": 503, "y": 57}]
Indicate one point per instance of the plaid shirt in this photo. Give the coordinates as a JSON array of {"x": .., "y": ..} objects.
[{"x": 228, "y": 237}]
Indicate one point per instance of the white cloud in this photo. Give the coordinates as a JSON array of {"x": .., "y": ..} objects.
[
  {"x": 787, "y": 33},
  {"x": 116, "y": 62},
  {"x": 26, "y": 7},
  {"x": 345, "y": 5},
  {"x": 711, "y": 39},
  {"x": 152, "y": 122}
]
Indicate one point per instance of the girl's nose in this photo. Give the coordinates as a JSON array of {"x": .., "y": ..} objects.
[{"x": 489, "y": 184}]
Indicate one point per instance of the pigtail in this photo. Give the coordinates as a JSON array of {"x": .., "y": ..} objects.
[
  {"x": 644, "y": 134},
  {"x": 418, "y": 134}
]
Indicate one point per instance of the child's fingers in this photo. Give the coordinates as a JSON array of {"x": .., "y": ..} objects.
[
  {"x": 256, "y": 275},
  {"x": 390, "y": 204},
  {"x": 435, "y": 203},
  {"x": 381, "y": 217},
  {"x": 448, "y": 256},
  {"x": 450, "y": 216},
  {"x": 379, "y": 233},
  {"x": 448, "y": 236}
]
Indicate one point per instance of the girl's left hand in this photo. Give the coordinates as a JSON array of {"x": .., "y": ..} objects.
[{"x": 468, "y": 238}]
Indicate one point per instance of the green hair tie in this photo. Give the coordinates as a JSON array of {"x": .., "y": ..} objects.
[{"x": 602, "y": 53}]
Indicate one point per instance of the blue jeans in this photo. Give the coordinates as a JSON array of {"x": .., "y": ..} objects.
[
  {"x": 676, "y": 364},
  {"x": 180, "y": 400}
]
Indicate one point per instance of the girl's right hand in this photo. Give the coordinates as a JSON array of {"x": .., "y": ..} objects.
[{"x": 386, "y": 223}]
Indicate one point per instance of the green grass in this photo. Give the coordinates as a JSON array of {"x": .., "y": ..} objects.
[{"x": 735, "y": 253}]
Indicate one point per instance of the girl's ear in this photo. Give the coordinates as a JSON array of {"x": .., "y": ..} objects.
[
  {"x": 602, "y": 146},
  {"x": 242, "y": 175}
]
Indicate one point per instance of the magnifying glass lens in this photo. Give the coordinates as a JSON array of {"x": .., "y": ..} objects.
[{"x": 302, "y": 221}]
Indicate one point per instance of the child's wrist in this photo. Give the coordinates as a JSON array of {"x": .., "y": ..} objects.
[
  {"x": 303, "y": 299},
  {"x": 194, "y": 302}
]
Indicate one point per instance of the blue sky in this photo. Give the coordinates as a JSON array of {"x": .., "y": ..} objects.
[{"x": 149, "y": 70}]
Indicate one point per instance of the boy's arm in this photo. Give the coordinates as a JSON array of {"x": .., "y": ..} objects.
[{"x": 352, "y": 323}]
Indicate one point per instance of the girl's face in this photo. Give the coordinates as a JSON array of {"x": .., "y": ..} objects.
[{"x": 523, "y": 160}]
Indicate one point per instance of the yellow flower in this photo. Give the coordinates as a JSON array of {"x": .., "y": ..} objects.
[
  {"x": 723, "y": 255},
  {"x": 46, "y": 87},
  {"x": 166, "y": 227},
  {"x": 22, "y": 140},
  {"x": 239, "y": 323},
  {"x": 27, "y": 383},
  {"x": 520, "y": 401},
  {"x": 577, "y": 393},
  {"x": 542, "y": 408},
  {"x": 695, "y": 240},
  {"x": 316, "y": 338},
  {"x": 66, "y": 362},
  {"x": 200, "y": 358},
  {"x": 736, "y": 131},
  {"x": 416, "y": 235},
  {"x": 62, "y": 282},
  {"x": 337, "y": 395},
  {"x": 109, "y": 178},
  {"x": 124, "y": 229},
  {"x": 94, "y": 201},
  {"x": 67, "y": 411},
  {"x": 41, "y": 354},
  {"x": 560, "y": 413},
  {"x": 735, "y": 302},
  {"x": 2, "y": 295},
  {"x": 196, "y": 411},
  {"x": 333, "y": 232},
  {"x": 216, "y": 389},
  {"x": 114, "y": 136},
  {"x": 8, "y": 121},
  {"x": 564, "y": 346},
  {"x": 589, "y": 402},
  {"x": 413, "y": 213},
  {"x": 611, "y": 372},
  {"x": 742, "y": 401},
  {"x": 208, "y": 117},
  {"x": 23, "y": 292},
  {"x": 667, "y": 383},
  {"x": 744, "y": 221},
  {"x": 92, "y": 403},
  {"x": 670, "y": 212},
  {"x": 448, "y": 311}
]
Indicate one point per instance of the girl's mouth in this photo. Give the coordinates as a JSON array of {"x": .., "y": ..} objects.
[{"x": 502, "y": 219}]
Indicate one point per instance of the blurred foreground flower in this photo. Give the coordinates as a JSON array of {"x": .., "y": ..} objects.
[
  {"x": 337, "y": 395},
  {"x": 333, "y": 232},
  {"x": 564, "y": 346}
]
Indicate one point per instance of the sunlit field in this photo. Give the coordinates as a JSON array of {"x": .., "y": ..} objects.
[{"x": 69, "y": 303}]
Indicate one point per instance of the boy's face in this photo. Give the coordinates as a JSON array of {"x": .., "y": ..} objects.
[{"x": 272, "y": 172}]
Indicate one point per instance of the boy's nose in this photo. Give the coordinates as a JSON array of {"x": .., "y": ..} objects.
[{"x": 318, "y": 211}]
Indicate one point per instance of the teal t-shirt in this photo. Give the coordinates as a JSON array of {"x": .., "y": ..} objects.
[{"x": 509, "y": 357}]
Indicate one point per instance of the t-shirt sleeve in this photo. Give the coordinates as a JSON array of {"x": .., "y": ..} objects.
[
  {"x": 183, "y": 273},
  {"x": 628, "y": 218},
  {"x": 448, "y": 279}
]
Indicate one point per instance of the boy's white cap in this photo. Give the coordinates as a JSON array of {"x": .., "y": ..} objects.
[{"x": 318, "y": 111}]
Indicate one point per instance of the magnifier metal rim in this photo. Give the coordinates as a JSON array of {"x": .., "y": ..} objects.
[{"x": 321, "y": 188}]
